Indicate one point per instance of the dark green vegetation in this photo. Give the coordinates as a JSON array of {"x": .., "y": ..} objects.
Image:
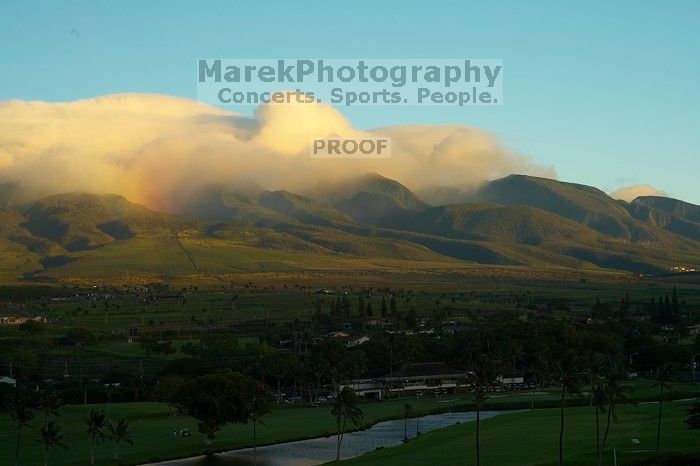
[
  {"x": 371, "y": 225},
  {"x": 115, "y": 345}
]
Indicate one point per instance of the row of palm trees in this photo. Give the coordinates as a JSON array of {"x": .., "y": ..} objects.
[
  {"x": 607, "y": 392},
  {"x": 22, "y": 412},
  {"x": 99, "y": 429}
]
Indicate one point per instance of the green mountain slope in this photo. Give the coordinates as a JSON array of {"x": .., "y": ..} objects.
[
  {"x": 92, "y": 235},
  {"x": 371, "y": 183},
  {"x": 525, "y": 225},
  {"x": 370, "y": 222},
  {"x": 79, "y": 221},
  {"x": 665, "y": 220},
  {"x": 678, "y": 208},
  {"x": 254, "y": 205},
  {"x": 303, "y": 209},
  {"x": 583, "y": 204},
  {"x": 370, "y": 198}
]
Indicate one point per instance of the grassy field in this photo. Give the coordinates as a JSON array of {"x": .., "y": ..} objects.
[
  {"x": 153, "y": 439},
  {"x": 531, "y": 438}
]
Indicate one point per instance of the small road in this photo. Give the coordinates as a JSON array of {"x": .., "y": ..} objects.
[{"x": 188, "y": 254}]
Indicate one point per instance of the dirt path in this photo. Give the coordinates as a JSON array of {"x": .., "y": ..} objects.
[{"x": 188, "y": 254}]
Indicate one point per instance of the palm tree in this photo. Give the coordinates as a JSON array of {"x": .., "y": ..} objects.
[
  {"x": 662, "y": 382},
  {"x": 21, "y": 415},
  {"x": 345, "y": 408},
  {"x": 95, "y": 430},
  {"x": 49, "y": 405},
  {"x": 50, "y": 435},
  {"x": 570, "y": 386},
  {"x": 109, "y": 389},
  {"x": 479, "y": 380},
  {"x": 615, "y": 394},
  {"x": 599, "y": 399},
  {"x": 119, "y": 433},
  {"x": 407, "y": 409}
]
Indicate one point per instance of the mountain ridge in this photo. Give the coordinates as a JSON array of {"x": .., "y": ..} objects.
[{"x": 537, "y": 222}]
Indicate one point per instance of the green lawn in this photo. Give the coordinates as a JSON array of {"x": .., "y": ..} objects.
[
  {"x": 153, "y": 439},
  {"x": 531, "y": 438}
]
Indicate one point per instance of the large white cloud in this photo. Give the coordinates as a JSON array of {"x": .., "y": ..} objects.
[{"x": 158, "y": 149}]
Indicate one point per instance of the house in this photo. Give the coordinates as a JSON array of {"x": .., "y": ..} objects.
[
  {"x": 411, "y": 379},
  {"x": 451, "y": 327},
  {"x": 368, "y": 388},
  {"x": 12, "y": 320},
  {"x": 19, "y": 320},
  {"x": 511, "y": 382},
  {"x": 349, "y": 342},
  {"x": 8, "y": 380}
]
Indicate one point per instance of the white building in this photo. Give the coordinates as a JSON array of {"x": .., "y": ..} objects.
[
  {"x": 8, "y": 380},
  {"x": 355, "y": 341},
  {"x": 510, "y": 381},
  {"x": 369, "y": 388}
]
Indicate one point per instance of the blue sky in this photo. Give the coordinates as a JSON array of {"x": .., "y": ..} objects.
[{"x": 606, "y": 92}]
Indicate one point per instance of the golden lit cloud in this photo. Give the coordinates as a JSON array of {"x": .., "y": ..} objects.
[{"x": 158, "y": 150}]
